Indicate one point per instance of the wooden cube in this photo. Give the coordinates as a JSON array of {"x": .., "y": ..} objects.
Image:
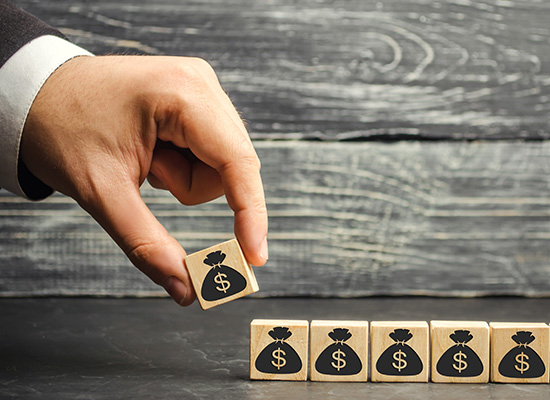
[
  {"x": 519, "y": 352},
  {"x": 278, "y": 349},
  {"x": 339, "y": 351},
  {"x": 220, "y": 274},
  {"x": 460, "y": 351},
  {"x": 399, "y": 351}
]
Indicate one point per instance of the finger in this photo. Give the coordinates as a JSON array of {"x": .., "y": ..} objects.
[
  {"x": 209, "y": 128},
  {"x": 217, "y": 140},
  {"x": 190, "y": 182},
  {"x": 123, "y": 214},
  {"x": 244, "y": 192}
]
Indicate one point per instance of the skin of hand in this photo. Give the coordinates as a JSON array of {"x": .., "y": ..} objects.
[{"x": 101, "y": 125}]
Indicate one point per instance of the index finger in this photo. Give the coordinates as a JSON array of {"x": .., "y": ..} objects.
[{"x": 212, "y": 132}]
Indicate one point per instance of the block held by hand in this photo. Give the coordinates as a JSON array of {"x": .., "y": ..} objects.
[{"x": 220, "y": 274}]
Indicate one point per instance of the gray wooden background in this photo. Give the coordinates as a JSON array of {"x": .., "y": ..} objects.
[{"x": 403, "y": 146}]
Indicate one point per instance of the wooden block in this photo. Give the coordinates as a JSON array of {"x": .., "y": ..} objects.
[
  {"x": 399, "y": 351},
  {"x": 460, "y": 351},
  {"x": 519, "y": 352},
  {"x": 339, "y": 351},
  {"x": 220, "y": 274},
  {"x": 278, "y": 349}
]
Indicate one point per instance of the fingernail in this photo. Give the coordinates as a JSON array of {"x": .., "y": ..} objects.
[
  {"x": 264, "y": 252},
  {"x": 176, "y": 289}
]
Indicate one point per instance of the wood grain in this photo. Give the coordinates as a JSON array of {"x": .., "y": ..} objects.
[
  {"x": 358, "y": 342},
  {"x": 419, "y": 343},
  {"x": 298, "y": 340},
  {"x": 346, "y": 70},
  {"x": 349, "y": 219},
  {"x": 441, "y": 342},
  {"x": 234, "y": 261},
  {"x": 502, "y": 343}
]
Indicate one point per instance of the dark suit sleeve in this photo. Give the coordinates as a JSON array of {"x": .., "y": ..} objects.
[{"x": 17, "y": 28}]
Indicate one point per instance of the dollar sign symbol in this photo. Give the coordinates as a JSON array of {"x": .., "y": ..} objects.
[
  {"x": 399, "y": 356},
  {"x": 524, "y": 365},
  {"x": 338, "y": 356},
  {"x": 459, "y": 358},
  {"x": 278, "y": 355},
  {"x": 224, "y": 284}
]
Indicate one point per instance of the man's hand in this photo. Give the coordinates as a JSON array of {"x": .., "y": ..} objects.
[{"x": 101, "y": 125}]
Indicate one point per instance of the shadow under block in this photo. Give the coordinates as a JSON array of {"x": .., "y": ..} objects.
[
  {"x": 399, "y": 351},
  {"x": 519, "y": 352},
  {"x": 279, "y": 349},
  {"x": 339, "y": 351},
  {"x": 220, "y": 274},
  {"x": 460, "y": 351}
]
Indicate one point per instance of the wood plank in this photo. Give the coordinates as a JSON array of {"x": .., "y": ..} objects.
[
  {"x": 346, "y": 219},
  {"x": 321, "y": 69}
]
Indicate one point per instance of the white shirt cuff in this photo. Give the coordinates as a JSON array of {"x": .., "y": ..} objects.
[{"x": 21, "y": 78}]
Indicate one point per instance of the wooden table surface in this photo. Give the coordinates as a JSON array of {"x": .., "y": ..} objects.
[
  {"x": 341, "y": 70},
  {"x": 459, "y": 205},
  {"x": 147, "y": 348}
]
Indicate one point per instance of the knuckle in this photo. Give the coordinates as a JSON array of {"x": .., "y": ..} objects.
[
  {"x": 246, "y": 154},
  {"x": 259, "y": 207},
  {"x": 240, "y": 163},
  {"x": 201, "y": 64},
  {"x": 253, "y": 161},
  {"x": 254, "y": 211},
  {"x": 142, "y": 252},
  {"x": 141, "y": 255},
  {"x": 185, "y": 74},
  {"x": 198, "y": 66},
  {"x": 204, "y": 68}
]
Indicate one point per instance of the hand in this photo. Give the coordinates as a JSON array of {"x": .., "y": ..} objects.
[{"x": 101, "y": 125}]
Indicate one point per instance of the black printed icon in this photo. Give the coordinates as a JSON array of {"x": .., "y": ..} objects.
[
  {"x": 522, "y": 361},
  {"x": 221, "y": 281},
  {"x": 400, "y": 358},
  {"x": 279, "y": 357},
  {"x": 460, "y": 359},
  {"x": 339, "y": 358}
]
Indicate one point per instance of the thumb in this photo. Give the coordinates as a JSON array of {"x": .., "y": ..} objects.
[{"x": 126, "y": 218}]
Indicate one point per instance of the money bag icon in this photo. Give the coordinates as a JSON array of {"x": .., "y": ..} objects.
[
  {"x": 522, "y": 361},
  {"x": 400, "y": 358},
  {"x": 279, "y": 357},
  {"x": 459, "y": 359},
  {"x": 221, "y": 281},
  {"x": 339, "y": 358}
]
